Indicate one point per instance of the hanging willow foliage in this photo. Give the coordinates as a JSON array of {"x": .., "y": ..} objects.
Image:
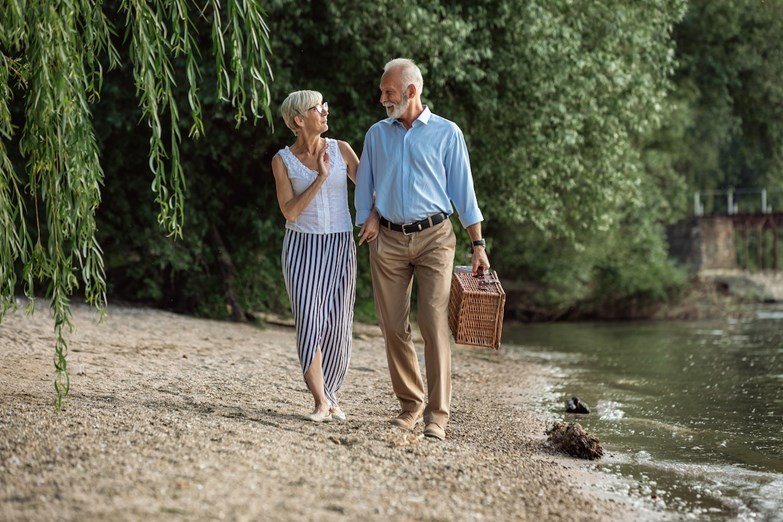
[{"x": 51, "y": 55}]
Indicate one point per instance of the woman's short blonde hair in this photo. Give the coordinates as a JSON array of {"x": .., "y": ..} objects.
[{"x": 297, "y": 103}]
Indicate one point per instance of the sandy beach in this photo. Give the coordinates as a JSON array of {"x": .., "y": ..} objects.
[{"x": 177, "y": 418}]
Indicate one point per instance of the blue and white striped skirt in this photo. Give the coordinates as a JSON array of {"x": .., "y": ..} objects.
[{"x": 320, "y": 276}]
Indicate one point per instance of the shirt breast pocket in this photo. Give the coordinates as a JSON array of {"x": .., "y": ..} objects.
[{"x": 426, "y": 159}]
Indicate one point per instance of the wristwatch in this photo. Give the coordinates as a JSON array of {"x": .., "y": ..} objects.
[{"x": 480, "y": 242}]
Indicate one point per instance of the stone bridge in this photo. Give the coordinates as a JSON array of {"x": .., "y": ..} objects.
[{"x": 741, "y": 251}]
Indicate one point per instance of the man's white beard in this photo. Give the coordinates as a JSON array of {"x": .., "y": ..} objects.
[{"x": 398, "y": 109}]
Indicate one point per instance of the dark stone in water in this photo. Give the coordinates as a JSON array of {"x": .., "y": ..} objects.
[
  {"x": 573, "y": 439},
  {"x": 574, "y": 405}
]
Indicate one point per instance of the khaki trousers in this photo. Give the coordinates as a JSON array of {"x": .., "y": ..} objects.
[{"x": 395, "y": 258}]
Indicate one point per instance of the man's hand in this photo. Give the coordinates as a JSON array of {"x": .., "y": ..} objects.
[
  {"x": 480, "y": 260},
  {"x": 370, "y": 228}
]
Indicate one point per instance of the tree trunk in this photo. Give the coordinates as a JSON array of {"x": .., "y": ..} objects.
[{"x": 228, "y": 271}]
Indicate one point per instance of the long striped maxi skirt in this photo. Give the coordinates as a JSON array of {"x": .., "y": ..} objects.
[{"x": 320, "y": 276}]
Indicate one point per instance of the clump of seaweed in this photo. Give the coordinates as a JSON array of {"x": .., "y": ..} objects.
[{"x": 571, "y": 438}]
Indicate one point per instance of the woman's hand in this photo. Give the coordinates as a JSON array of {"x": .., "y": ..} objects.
[{"x": 323, "y": 162}]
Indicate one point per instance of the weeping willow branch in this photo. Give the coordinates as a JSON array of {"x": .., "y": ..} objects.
[
  {"x": 12, "y": 207},
  {"x": 248, "y": 39},
  {"x": 51, "y": 53}
]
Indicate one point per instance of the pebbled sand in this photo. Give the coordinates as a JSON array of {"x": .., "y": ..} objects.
[{"x": 176, "y": 418}]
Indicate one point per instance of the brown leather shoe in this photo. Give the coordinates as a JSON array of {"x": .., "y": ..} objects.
[
  {"x": 434, "y": 432},
  {"x": 407, "y": 419}
]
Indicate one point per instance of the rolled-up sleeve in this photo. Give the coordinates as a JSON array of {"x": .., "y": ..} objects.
[{"x": 460, "y": 181}]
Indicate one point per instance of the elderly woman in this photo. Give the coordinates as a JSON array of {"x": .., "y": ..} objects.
[{"x": 319, "y": 253}]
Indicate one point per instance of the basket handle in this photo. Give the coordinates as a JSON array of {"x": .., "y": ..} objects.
[
  {"x": 480, "y": 272},
  {"x": 487, "y": 278}
]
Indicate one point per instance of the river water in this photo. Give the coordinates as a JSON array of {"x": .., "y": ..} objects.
[{"x": 691, "y": 412}]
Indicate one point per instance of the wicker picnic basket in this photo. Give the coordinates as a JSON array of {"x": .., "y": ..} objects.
[{"x": 476, "y": 308}]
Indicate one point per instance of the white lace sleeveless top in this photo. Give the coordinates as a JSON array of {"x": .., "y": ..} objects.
[{"x": 328, "y": 212}]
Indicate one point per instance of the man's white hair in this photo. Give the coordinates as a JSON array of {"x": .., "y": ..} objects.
[{"x": 410, "y": 73}]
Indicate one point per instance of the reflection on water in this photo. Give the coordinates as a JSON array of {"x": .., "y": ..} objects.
[{"x": 691, "y": 410}]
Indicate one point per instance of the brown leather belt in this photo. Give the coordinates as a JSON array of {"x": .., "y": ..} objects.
[{"x": 416, "y": 226}]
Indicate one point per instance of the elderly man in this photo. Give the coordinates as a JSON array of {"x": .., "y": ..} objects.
[{"x": 413, "y": 167}]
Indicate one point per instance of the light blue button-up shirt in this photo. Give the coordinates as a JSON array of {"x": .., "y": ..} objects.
[{"x": 415, "y": 173}]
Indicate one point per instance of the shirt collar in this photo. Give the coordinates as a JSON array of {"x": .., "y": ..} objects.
[{"x": 424, "y": 117}]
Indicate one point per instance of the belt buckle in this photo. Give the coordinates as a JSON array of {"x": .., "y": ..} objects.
[{"x": 418, "y": 228}]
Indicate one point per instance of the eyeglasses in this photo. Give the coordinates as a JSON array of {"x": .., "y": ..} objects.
[{"x": 321, "y": 108}]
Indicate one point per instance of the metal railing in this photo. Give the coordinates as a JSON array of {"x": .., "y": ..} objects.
[{"x": 737, "y": 201}]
